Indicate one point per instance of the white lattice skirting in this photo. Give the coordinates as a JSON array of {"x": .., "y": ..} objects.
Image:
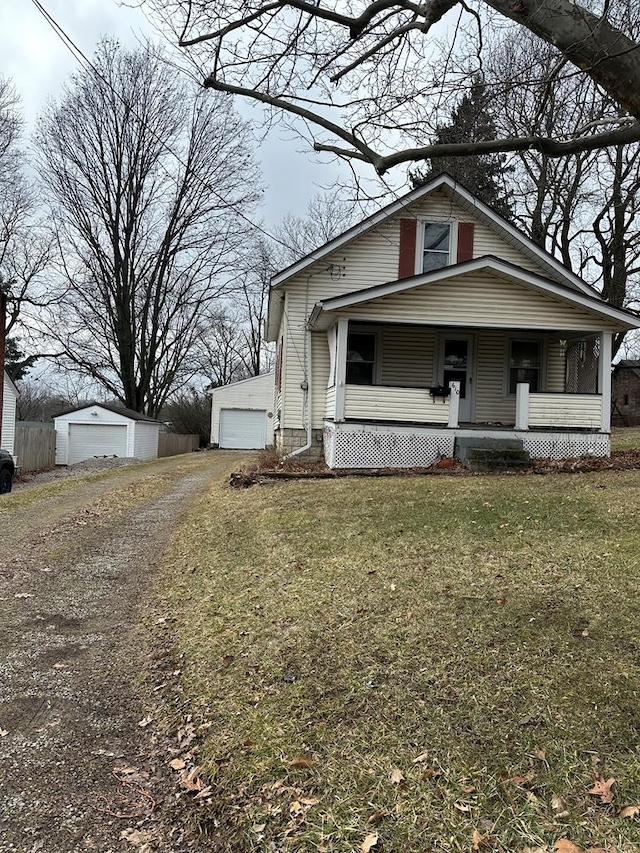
[
  {"x": 352, "y": 446},
  {"x": 375, "y": 446},
  {"x": 565, "y": 445}
]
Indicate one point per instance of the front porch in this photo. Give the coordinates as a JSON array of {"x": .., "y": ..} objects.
[
  {"x": 390, "y": 445},
  {"x": 548, "y": 392}
]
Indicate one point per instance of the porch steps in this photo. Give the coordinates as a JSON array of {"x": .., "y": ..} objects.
[{"x": 492, "y": 454}]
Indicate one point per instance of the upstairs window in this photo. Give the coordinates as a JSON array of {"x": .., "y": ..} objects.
[
  {"x": 436, "y": 246},
  {"x": 524, "y": 365},
  {"x": 361, "y": 358}
]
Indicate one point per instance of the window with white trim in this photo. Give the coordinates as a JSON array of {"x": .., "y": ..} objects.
[
  {"x": 436, "y": 245},
  {"x": 525, "y": 364},
  {"x": 361, "y": 358}
]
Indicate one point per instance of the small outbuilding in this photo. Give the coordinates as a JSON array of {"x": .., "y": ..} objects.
[
  {"x": 99, "y": 429},
  {"x": 242, "y": 413},
  {"x": 625, "y": 393},
  {"x": 10, "y": 399}
]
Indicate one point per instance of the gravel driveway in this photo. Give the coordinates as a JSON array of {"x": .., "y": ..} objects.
[{"x": 77, "y": 564}]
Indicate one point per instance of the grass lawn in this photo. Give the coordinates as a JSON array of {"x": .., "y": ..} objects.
[
  {"x": 625, "y": 438},
  {"x": 436, "y": 663}
]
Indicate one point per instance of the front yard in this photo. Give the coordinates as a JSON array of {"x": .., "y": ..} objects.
[{"x": 414, "y": 664}]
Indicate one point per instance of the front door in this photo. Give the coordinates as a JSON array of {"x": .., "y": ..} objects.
[{"x": 457, "y": 366}]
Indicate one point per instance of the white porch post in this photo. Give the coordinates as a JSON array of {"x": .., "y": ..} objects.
[
  {"x": 454, "y": 404},
  {"x": 522, "y": 405},
  {"x": 341, "y": 366},
  {"x": 604, "y": 378}
]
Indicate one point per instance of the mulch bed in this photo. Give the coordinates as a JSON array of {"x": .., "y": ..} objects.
[{"x": 619, "y": 460}]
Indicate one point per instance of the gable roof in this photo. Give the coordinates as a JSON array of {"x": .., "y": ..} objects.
[
  {"x": 455, "y": 190},
  {"x": 265, "y": 377},
  {"x": 487, "y": 263},
  {"x": 117, "y": 410}
]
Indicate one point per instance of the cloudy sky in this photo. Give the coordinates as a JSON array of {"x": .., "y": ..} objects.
[{"x": 38, "y": 62}]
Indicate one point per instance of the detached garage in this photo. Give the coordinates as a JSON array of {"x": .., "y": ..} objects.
[
  {"x": 242, "y": 413},
  {"x": 10, "y": 399},
  {"x": 99, "y": 429}
]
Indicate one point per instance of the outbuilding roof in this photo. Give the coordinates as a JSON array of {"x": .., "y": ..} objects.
[{"x": 117, "y": 410}]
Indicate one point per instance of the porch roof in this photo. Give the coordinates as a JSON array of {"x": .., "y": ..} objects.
[{"x": 321, "y": 318}]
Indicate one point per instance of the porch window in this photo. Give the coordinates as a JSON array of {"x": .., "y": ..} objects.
[
  {"x": 524, "y": 364},
  {"x": 435, "y": 245},
  {"x": 361, "y": 358}
]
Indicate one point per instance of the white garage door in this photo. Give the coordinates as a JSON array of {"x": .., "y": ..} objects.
[
  {"x": 87, "y": 440},
  {"x": 242, "y": 429}
]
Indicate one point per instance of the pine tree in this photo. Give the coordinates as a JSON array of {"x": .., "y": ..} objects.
[{"x": 483, "y": 175}]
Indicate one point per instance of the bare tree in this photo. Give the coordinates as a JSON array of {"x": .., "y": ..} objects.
[
  {"x": 583, "y": 209},
  {"x": 24, "y": 245},
  {"x": 149, "y": 187},
  {"x": 369, "y": 76},
  {"x": 326, "y": 217}
]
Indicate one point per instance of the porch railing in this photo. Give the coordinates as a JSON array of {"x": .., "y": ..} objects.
[
  {"x": 384, "y": 403},
  {"x": 566, "y": 411}
]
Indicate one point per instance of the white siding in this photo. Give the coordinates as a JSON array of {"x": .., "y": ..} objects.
[
  {"x": 407, "y": 356},
  {"x": 256, "y": 393},
  {"x": 321, "y": 366},
  {"x": 145, "y": 441},
  {"x": 477, "y": 300},
  {"x": 330, "y": 403},
  {"x": 492, "y": 404},
  {"x": 8, "y": 416},
  {"x": 97, "y": 416},
  {"x": 565, "y": 410},
  {"x": 372, "y": 259},
  {"x": 485, "y": 241},
  {"x": 373, "y": 402}
]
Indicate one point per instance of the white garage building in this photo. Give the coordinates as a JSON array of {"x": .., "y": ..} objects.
[
  {"x": 242, "y": 413},
  {"x": 10, "y": 400},
  {"x": 98, "y": 429}
]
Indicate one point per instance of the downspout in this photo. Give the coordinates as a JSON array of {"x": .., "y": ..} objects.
[{"x": 306, "y": 387}]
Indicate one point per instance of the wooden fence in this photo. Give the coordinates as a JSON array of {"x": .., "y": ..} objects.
[
  {"x": 173, "y": 443},
  {"x": 35, "y": 446}
]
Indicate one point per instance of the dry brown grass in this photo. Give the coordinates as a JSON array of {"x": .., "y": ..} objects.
[{"x": 455, "y": 657}]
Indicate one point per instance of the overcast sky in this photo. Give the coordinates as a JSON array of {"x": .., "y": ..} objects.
[{"x": 38, "y": 62}]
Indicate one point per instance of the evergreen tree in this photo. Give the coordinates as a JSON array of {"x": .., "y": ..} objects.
[{"x": 483, "y": 175}]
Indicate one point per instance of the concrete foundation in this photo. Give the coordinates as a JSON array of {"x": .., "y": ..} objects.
[{"x": 288, "y": 440}]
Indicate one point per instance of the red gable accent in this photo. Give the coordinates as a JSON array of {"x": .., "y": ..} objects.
[
  {"x": 407, "y": 259},
  {"x": 465, "y": 241}
]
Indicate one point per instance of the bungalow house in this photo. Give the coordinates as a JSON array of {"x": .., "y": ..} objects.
[{"x": 430, "y": 325}]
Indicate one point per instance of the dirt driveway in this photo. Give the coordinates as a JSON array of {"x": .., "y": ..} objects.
[{"x": 77, "y": 570}]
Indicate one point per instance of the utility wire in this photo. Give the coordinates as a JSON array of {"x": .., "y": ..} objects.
[{"x": 83, "y": 60}]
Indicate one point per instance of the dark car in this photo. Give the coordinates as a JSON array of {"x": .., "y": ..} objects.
[{"x": 7, "y": 469}]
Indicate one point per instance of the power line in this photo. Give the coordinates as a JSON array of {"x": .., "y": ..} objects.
[{"x": 83, "y": 60}]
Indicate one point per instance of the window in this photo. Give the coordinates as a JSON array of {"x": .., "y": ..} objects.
[
  {"x": 435, "y": 245},
  {"x": 625, "y": 400},
  {"x": 524, "y": 364},
  {"x": 361, "y": 358}
]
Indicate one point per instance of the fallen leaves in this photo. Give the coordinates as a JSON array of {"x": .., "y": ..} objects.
[
  {"x": 301, "y": 761},
  {"x": 627, "y": 811},
  {"x": 370, "y": 841},
  {"x": 3, "y": 732},
  {"x": 563, "y": 845},
  {"x": 559, "y": 806},
  {"x": 396, "y": 776},
  {"x": 602, "y": 788}
]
